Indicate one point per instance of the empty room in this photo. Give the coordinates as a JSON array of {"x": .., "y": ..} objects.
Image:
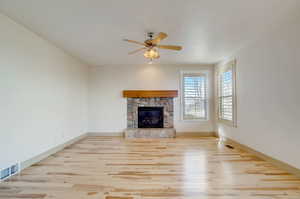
[{"x": 161, "y": 99}]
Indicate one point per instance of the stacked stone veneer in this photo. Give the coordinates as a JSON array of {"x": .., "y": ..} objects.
[{"x": 134, "y": 103}]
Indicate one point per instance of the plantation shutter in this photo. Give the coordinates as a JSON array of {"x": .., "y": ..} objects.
[
  {"x": 227, "y": 106},
  {"x": 194, "y": 96},
  {"x": 226, "y": 95}
]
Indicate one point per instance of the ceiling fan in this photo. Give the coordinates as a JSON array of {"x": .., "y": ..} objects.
[{"x": 152, "y": 44}]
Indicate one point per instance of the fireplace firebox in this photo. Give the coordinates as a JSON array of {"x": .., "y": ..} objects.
[{"x": 150, "y": 117}]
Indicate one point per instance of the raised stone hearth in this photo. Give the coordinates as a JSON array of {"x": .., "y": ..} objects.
[{"x": 150, "y": 133}]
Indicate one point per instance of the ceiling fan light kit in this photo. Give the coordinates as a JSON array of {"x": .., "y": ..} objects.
[
  {"x": 151, "y": 46},
  {"x": 151, "y": 54}
]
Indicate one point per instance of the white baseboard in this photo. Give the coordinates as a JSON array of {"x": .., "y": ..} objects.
[
  {"x": 276, "y": 162},
  {"x": 114, "y": 134},
  {"x": 178, "y": 134},
  {"x": 38, "y": 158}
]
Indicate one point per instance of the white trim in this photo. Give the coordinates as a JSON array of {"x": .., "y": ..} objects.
[
  {"x": 280, "y": 164},
  {"x": 27, "y": 163}
]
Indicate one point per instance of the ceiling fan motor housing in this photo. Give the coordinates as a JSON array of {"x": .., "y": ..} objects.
[
  {"x": 150, "y": 35},
  {"x": 149, "y": 41}
]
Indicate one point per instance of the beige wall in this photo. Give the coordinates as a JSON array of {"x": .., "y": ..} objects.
[
  {"x": 43, "y": 99},
  {"x": 268, "y": 95},
  {"x": 107, "y": 107}
]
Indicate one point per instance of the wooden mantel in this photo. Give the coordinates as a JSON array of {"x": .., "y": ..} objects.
[{"x": 149, "y": 93}]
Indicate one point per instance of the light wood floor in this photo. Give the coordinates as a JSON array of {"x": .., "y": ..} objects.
[{"x": 189, "y": 168}]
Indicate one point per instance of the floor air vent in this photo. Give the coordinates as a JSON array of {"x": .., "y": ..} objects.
[
  {"x": 229, "y": 146},
  {"x": 10, "y": 171}
]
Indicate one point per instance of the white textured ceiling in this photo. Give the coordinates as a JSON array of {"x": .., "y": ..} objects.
[{"x": 92, "y": 30}]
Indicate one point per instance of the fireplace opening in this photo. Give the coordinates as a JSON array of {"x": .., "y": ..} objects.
[{"x": 150, "y": 117}]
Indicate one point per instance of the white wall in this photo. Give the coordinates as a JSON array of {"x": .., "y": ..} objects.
[
  {"x": 268, "y": 95},
  {"x": 43, "y": 99},
  {"x": 107, "y": 107}
]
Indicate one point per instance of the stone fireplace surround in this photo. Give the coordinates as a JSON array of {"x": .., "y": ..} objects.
[
  {"x": 134, "y": 103},
  {"x": 150, "y": 99}
]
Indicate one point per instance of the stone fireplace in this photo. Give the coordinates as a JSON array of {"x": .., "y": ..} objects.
[
  {"x": 150, "y": 114},
  {"x": 133, "y": 105}
]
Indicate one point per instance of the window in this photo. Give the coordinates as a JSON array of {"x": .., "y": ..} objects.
[
  {"x": 226, "y": 93},
  {"x": 194, "y": 96}
]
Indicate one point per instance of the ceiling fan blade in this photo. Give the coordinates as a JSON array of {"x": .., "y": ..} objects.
[
  {"x": 138, "y": 50},
  {"x": 169, "y": 47},
  {"x": 135, "y": 42},
  {"x": 159, "y": 37}
]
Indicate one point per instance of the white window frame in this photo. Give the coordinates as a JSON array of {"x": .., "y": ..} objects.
[
  {"x": 202, "y": 73},
  {"x": 231, "y": 65}
]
